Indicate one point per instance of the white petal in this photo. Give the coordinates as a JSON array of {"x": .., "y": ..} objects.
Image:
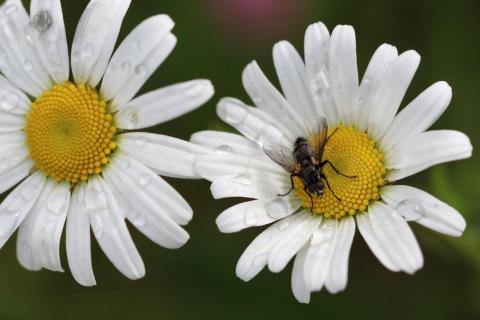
[
  {"x": 381, "y": 60},
  {"x": 49, "y": 38},
  {"x": 10, "y": 122},
  {"x": 291, "y": 242},
  {"x": 267, "y": 98},
  {"x": 388, "y": 95},
  {"x": 417, "y": 205},
  {"x": 12, "y": 100},
  {"x": 418, "y": 115},
  {"x": 252, "y": 122},
  {"x": 164, "y": 104},
  {"x": 14, "y": 137},
  {"x": 165, "y": 155},
  {"x": 14, "y": 175},
  {"x": 425, "y": 150},
  {"x": 299, "y": 287},
  {"x": 78, "y": 238},
  {"x": 317, "y": 45},
  {"x": 212, "y": 167},
  {"x": 27, "y": 253},
  {"x": 94, "y": 39},
  {"x": 11, "y": 155},
  {"x": 222, "y": 142},
  {"x": 248, "y": 186},
  {"x": 110, "y": 230},
  {"x": 17, "y": 204},
  {"x": 137, "y": 57},
  {"x": 343, "y": 72},
  {"x": 20, "y": 62},
  {"x": 337, "y": 276},
  {"x": 150, "y": 203},
  {"x": 255, "y": 257},
  {"x": 319, "y": 254},
  {"x": 48, "y": 227},
  {"x": 390, "y": 238},
  {"x": 255, "y": 213},
  {"x": 292, "y": 74}
]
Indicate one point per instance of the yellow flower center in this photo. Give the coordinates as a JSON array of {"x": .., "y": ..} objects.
[
  {"x": 70, "y": 132},
  {"x": 354, "y": 154}
]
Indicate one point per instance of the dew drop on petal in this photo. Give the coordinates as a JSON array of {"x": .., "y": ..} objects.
[
  {"x": 224, "y": 149},
  {"x": 9, "y": 221},
  {"x": 244, "y": 179},
  {"x": 277, "y": 209},
  {"x": 141, "y": 70},
  {"x": 87, "y": 50},
  {"x": 9, "y": 102},
  {"x": 42, "y": 21},
  {"x": 250, "y": 218},
  {"x": 283, "y": 225},
  {"x": 145, "y": 180},
  {"x": 27, "y": 65},
  {"x": 56, "y": 204},
  {"x": 410, "y": 209},
  {"x": 260, "y": 260},
  {"x": 141, "y": 141},
  {"x": 126, "y": 67},
  {"x": 194, "y": 89},
  {"x": 137, "y": 219}
]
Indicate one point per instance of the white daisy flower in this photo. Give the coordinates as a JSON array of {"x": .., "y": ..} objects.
[
  {"x": 368, "y": 144},
  {"x": 64, "y": 143}
]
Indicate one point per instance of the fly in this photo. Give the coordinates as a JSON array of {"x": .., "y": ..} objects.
[{"x": 306, "y": 161}]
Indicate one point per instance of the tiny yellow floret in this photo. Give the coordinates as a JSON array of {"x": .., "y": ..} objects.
[
  {"x": 353, "y": 153},
  {"x": 70, "y": 132}
]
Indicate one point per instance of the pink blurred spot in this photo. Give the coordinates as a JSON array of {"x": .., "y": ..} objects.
[{"x": 257, "y": 20}]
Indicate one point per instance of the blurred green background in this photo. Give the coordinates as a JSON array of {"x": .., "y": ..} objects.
[{"x": 217, "y": 38}]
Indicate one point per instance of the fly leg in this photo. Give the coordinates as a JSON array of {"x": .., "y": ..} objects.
[
  {"x": 335, "y": 169},
  {"x": 293, "y": 186},
  {"x": 311, "y": 198},
  {"x": 329, "y": 187}
]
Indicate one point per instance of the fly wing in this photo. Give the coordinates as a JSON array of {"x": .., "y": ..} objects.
[
  {"x": 318, "y": 138},
  {"x": 280, "y": 155}
]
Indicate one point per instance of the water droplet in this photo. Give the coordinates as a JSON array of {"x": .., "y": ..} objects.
[
  {"x": 250, "y": 218},
  {"x": 42, "y": 21},
  {"x": 27, "y": 66},
  {"x": 194, "y": 89},
  {"x": 232, "y": 112},
  {"x": 410, "y": 209},
  {"x": 4, "y": 164},
  {"x": 283, "y": 225},
  {"x": 141, "y": 141},
  {"x": 137, "y": 219},
  {"x": 224, "y": 149},
  {"x": 9, "y": 222},
  {"x": 244, "y": 179},
  {"x": 126, "y": 67},
  {"x": 277, "y": 209},
  {"x": 56, "y": 204},
  {"x": 75, "y": 55},
  {"x": 260, "y": 260},
  {"x": 125, "y": 164},
  {"x": 145, "y": 180},
  {"x": 87, "y": 50},
  {"x": 10, "y": 9},
  {"x": 131, "y": 117},
  {"x": 141, "y": 70},
  {"x": 257, "y": 99},
  {"x": 97, "y": 230}
]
